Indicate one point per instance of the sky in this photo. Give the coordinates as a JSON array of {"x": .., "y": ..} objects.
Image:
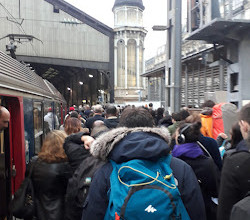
[{"x": 154, "y": 14}]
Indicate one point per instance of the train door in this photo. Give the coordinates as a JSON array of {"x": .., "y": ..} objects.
[{"x": 12, "y": 160}]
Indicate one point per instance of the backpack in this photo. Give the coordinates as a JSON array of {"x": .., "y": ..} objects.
[
  {"x": 143, "y": 189},
  {"x": 78, "y": 187},
  {"x": 224, "y": 116},
  {"x": 241, "y": 209}
]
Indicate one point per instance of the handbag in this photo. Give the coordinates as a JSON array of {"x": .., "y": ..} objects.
[{"x": 23, "y": 203}]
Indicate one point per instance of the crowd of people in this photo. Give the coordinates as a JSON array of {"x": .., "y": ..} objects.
[{"x": 138, "y": 162}]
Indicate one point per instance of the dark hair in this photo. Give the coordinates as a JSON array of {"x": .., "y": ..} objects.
[
  {"x": 136, "y": 117},
  {"x": 150, "y": 104},
  {"x": 192, "y": 133},
  {"x": 74, "y": 114},
  {"x": 184, "y": 114},
  {"x": 111, "y": 110},
  {"x": 176, "y": 116},
  {"x": 208, "y": 103},
  {"x": 236, "y": 135},
  {"x": 245, "y": 113}
]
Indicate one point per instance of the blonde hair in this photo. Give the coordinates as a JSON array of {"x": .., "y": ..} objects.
[{"x": 52, "y": 149}]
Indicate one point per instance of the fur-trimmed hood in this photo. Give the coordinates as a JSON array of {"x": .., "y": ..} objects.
[{"x": 123, "y": 144}]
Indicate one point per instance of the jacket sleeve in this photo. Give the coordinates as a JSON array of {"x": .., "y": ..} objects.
[
  {"x": 74, "y": 149},
  {"x": 189, "y": 189},
  {"x": 97, "y": 201}
]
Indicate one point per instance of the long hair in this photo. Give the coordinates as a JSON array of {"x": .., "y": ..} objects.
[
  {"x": 72, "y": 125},
  {"x": 52, "y": 149}
]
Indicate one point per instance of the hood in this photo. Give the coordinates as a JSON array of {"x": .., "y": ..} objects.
[
  {"x": 123, "y": 144},
  {"x": 190, "y": 150}
]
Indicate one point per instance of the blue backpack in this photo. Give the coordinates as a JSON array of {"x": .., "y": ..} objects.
[{"x": 142, "y": 189}]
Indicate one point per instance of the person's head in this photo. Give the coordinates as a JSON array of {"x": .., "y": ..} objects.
[
  {"x": 71, "y": 109},
  {"x": 74, "y": 114},
  {"x": 72, "y": 125},
  {"x": 184, "y": 114},
  {"x": 98, "y": 128},
  {"x": 136, "y": 117},
  {"x": 97, "y": 109},
  {"x": 4, "y": 118},
  {"x": 111, "y": 111},
  {"x": 244, "y": 121},
  {"x": 236, "y": 135},
  {"x": 52, "y": 149},
  {"x": 150, "y": 105},
  {"x": 176, "y": 117},
  {"x": 208, "y": 103},
  {"x": 160, "y": 111},
  {"x": 188, "y": 133}
]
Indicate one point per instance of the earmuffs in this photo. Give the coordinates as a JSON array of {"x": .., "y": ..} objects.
[{"x": 181, "y": 137}]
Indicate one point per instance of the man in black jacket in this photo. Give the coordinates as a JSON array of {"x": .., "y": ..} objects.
[
  {"x": 111, "y": 120},
  {"x": 235, "y": 177},
  {"x": 97, "y": 116}
]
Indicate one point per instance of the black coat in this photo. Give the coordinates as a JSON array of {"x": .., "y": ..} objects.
[
  {"x": 235, "y": 180},
  {"x": 50, "y": 183},
  {"x": 75, "y": 151}
]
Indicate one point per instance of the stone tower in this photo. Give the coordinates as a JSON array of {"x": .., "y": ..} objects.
[{"x": 129, "y": 50}]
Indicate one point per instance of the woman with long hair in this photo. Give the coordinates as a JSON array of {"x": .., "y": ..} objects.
[{"x": 50, "y": 175}]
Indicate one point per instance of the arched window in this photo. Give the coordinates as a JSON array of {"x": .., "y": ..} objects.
[
  {"x": 131, "y": 61},
  {"x": 121, "y": 63}
]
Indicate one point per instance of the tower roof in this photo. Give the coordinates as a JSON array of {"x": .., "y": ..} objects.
[{"x": 137, "y": 3}]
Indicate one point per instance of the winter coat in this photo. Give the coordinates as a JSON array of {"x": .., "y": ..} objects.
[
  {"x": 235, "y": 180},
  {"x": 75, "y": 151},
  {"x": 124, "y": 144},
  {"x": 111, "y": 122},
  {"x": 50, "y": 183},
  {"x": 89, "y": 122},
  {"x": 205, "y": 170},
  {"x": 172, "y": 128},
  {"x": 212, "y": 147},
  {"x": 207, "y": 122}
]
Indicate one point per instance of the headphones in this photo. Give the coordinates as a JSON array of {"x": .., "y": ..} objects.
[{"x": 181, "y": 137}]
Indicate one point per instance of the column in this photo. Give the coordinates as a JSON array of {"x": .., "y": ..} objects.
[
  {"x": 138, "y": 63},
  {"x": 126, "y": 64},
  {"x": 115, "y": 63}
]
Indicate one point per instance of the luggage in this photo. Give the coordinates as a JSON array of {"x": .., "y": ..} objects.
[
  {"x": 142, "y": 189},
  {"x": 224, "y": 116}
]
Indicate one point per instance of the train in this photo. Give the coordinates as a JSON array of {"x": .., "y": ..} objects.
[{"x": 28, "y": 98}]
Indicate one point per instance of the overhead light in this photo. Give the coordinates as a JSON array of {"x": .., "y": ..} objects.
[
  {"x": 200, "y": 58},
  {"x": 91, "y": 76},
  {"x": 81, "y": 83},
  {"x": 68, "y": 89}
]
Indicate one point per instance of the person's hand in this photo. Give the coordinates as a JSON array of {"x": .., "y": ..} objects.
[
  {"x": 87, "y": 140},
  {"x": 223, "y": 135}
]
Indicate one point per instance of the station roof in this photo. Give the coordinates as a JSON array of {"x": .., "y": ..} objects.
[
  {"x": 81, "y": 16},
  {"x": 220, "y": 30},
  {"x": 137, "y": 3}
]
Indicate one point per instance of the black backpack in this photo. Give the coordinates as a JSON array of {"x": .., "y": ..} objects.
[{"x": 78, "y": 187}]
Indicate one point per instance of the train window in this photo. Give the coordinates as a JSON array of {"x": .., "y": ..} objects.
[{"x": 38, "y": 125}]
